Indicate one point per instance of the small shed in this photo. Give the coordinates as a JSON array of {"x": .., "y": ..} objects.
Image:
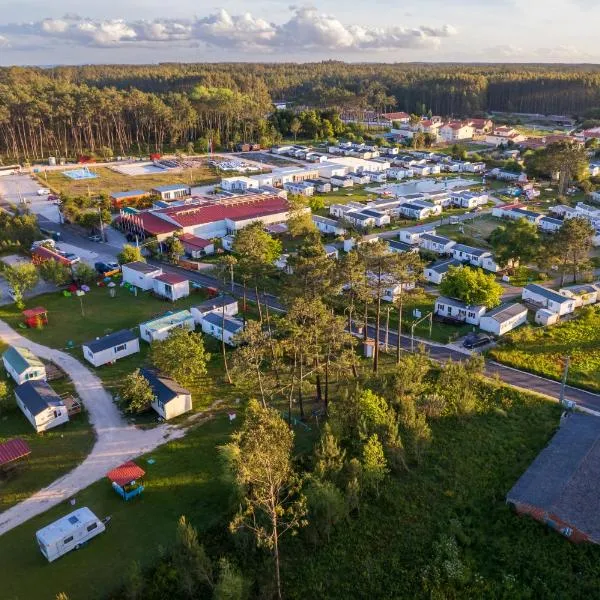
[
  {"x": 195, "y": 246},
  {"x": 42, "y": 406},
  {"x": 111, "y": 348},
  {"x": 34, "y": 317},
  {"x": 159, "y": 329},
  {"x": 140, "y": 274},
  {"x": 546, "y": 317},
  {"x": 127, "y": 480},
  {"x": 170, "y": 398},
  {"x": 22, "y": 364},
  {"x": 171, "y": 286},
  {"x": 12, "y": 452}
]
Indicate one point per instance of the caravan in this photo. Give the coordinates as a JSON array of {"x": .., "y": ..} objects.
[{"x": 69, "y": 533}]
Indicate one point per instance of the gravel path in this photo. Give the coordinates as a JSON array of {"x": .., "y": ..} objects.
[{"x": 116, "y": 441}]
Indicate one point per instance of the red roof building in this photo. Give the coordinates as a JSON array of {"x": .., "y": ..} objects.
[
  {"x": 126, "y": 473},
  {"x": 13, "y": 450},
  {"x": 396, "y": 116},
  {"x": 171, "y": 278}
]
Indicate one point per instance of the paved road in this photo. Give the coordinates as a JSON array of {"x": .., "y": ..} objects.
[
  {"x": 437, "y": 352},
  {"x": 116, "y": 441}
]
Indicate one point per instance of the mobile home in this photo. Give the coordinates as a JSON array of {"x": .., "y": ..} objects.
[
  {"x": 111, "y": 348},
  {"x": 22, "y": 365}
]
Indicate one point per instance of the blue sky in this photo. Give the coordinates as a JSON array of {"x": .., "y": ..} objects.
[{"x": 146, "y": 31}]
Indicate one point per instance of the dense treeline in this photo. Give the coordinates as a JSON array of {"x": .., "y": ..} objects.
[{"x": 73, "y": 110}]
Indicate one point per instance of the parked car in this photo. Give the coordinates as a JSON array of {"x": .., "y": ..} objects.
[
  {"x": 43, "y": 192},
  {"x": 476, "y": 341},
  {"x": 102, "y": 267},
  {"x": 95, "y": 238},
  {"x": 52, "y": 197}
]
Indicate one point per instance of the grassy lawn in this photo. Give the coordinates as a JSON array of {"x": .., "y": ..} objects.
[
  {"x": 542, "y": 350},
  {"x": 53, "y": 453},
  {"x": 110, "y": 181},
  {"x": 478, "y": 229}
]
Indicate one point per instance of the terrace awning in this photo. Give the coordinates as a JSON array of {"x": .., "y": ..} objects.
[
  {"x": 126, "y": 473},
  {"x": 13, "y": 450}
]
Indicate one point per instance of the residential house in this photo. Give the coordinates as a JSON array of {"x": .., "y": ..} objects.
[
  {"x": 227, "y": 242},
  {"x": 380, "y": 218},
  {"x": 195, "y": 246},
  {"x": 339, "y": 210},
  {"x": 401, "y": 117},
  {"x": 331, "y": 251},
  {"x": 582, "y": 294},
  {"x": 171, "y": 286},
  {"x": 501, "y": 136},
  {"x": 481, "y": 126},
  {"x": 546, "y": 298},
  {"x": 172, "y": 192},
  {"x": 170, "y": 398},
  {"x": 22, "y": 365},
  {"x": 263, "y": 179},
  {"x": 222, "y": 327},
  {"x": 476, "y": 167},
  {"x": 503, "y": 319},
  {"x": 419, "y": 210},
  {"x": 488, "y": 263},
  {"x": 421, "y": 170},
  {"x": 436, "y": 243},
  {"x": 110, "y": 348},
  {"x": 41, "y": 405},
  {"x": 159, "y": 329},
  {"x": 528, "y": 215},
  {"x": 546, "y": 317},
  {"x": 595, "y": 197},
  {"x": 465, "y": 199},
  {"x": 469, "y": 254},
  {"x": 563, "y": 211},
  {"x": 442, "y": 199},
  {"x": 435, "y": 272},
  {"x": 140, "y": 274},
  {"x": 456, "y": 131},
  {"x": 328, "y": 226},
  {"x": 449, "y": 308},
  {"x": 550, "y": 225},
  {"x": 220, "y": 305}
]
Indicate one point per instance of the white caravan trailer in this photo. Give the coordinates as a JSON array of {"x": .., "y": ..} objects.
[{"x": 69, "y": 533}]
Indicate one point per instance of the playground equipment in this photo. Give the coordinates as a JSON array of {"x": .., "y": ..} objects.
[{"x": 127, "y": 480}]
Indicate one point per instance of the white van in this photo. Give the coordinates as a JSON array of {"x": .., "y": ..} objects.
[{"x": 68, "y": 533}]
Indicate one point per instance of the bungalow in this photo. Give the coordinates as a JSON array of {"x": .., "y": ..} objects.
[
  {"x": 342, "y": 181},
  {"x": 159, "y": 329},
  {"x": 501, "y": 136},
  {"x": 42, "y": 406},
  {"x": 195, "y": 246},
  {"x": 22, "y": 365},
  {"x": 118, "y": 199},
  {"x": 110, "y": 348},
  {"x": 328, "y": 226},
  {"x": 171, "y": 286},
  {"x": 140, "y": 274},
  {"x": 401, "y": 247},
  {"x": 436, "y": 243},
  {"x": 541, "y": 296},
  {"x": 503, "y": 319},
  {"x": 473, "y": 256},
  {"x": 219, "y": 305},
  {"x": 459, "y": 311},
  {"x": 419, "y": 209},
  {"x": 240, "y": 184},
  {"x": 454, "y": 131},
  {"x": 170, "y": 399},
  {"x": 172, "y": 192},
  {"x": 222, "y": 327},
  {"x": 435, "y": 272},
  {"x": 550, "y": 225},
  {"x": 464, "y": 199},
  {"x": 582, "y": 294}
]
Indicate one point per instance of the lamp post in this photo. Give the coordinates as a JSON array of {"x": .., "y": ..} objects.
[{"x": 412, "y": 329}]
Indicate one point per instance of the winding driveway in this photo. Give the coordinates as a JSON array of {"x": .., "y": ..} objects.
[{"x": 116, "y": 441}]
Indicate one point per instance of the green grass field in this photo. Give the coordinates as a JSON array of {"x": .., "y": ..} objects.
[
  {"x": 110, "y": 181},
  {"x": 542, "y": 350},
  {"x": 53, "y": 453}
]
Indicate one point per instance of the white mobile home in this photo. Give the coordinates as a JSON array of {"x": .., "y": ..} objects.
[
  {"x": 225, "y": 328},
  {"x": 582, "y": 294},
  {"x": 550, "y": 225},
  {"x": 503, "y": 319},
  {"x": 412, "y": 235},
  {"x": 42, "y": 406},
  {"x": 240, "y": 184},
  {"x": 435, "y": 272},
  {"x": 110, "y": 348},
  {"x": 459, "y": 311},
  {"x": 545, "y": 298},
  {"x": 326, "y": 225},
  {"x": 218, "y": 305},
  {"x": 171, "y": 286},
  {"x": 68, "y": 533},
  {"x": 159, "y": 329},
  {"x": 436, "y": 243},
  {"x": 464, "y": 199},
  {"x": 22, "y": 365},
  {"x": 170, "y": 399},
  {"x": 470, "y": 254},
  {"x": 140, "y": 274}
]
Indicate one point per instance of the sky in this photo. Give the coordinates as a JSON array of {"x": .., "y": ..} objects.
[{"x": 42, "y": 32}]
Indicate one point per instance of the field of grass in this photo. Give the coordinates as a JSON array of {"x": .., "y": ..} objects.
[
  {"x": 110, "y": 181},
  {"x": 543, "y": 350},
  {"x": 53, "y": 453},
  {"x": 478, "y": 229}
]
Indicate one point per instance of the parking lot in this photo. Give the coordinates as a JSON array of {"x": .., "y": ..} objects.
[{"x": 22, "y": 190}]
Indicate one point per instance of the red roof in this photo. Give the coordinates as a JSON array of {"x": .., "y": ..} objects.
[
  {"x": 13, "y": 450},
  {"x": 154, "y": 225},
  {"x": 47, "y": 254},
  {"x": 172, "y": 278},
  {"x": 395, "y": 116},
  {"x": 246, "y": 208},
  {"x": 126, "y": 473},
  {"x": 193, "y": 240},
  {"x": 34, "y": 312}
]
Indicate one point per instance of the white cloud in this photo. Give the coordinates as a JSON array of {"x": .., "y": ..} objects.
[
  {"x": 306, "y": 29},
  {"x": 4, "y": 43}
]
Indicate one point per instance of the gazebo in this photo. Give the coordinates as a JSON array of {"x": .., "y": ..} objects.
[
  {"x": 12, "y": 452},
  {"x": 34, "y": 317},
  {"x": 127, "y": 480}
]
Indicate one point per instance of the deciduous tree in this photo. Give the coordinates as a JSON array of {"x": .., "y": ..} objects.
[
  {"x": 129, "y": 254},
  {"x": 471, "y": 286},
  {"x": 136, "y": 393},
  {"x": 21, "y": 278}
]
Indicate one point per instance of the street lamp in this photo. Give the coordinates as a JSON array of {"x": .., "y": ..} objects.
[{"x": 412, "y": 329}]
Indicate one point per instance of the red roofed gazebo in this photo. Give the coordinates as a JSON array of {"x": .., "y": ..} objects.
[
  {"x": 34, "y": 317},
  {"x": 12, "y": 451},
  {"x": 127, "y": 480}
]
